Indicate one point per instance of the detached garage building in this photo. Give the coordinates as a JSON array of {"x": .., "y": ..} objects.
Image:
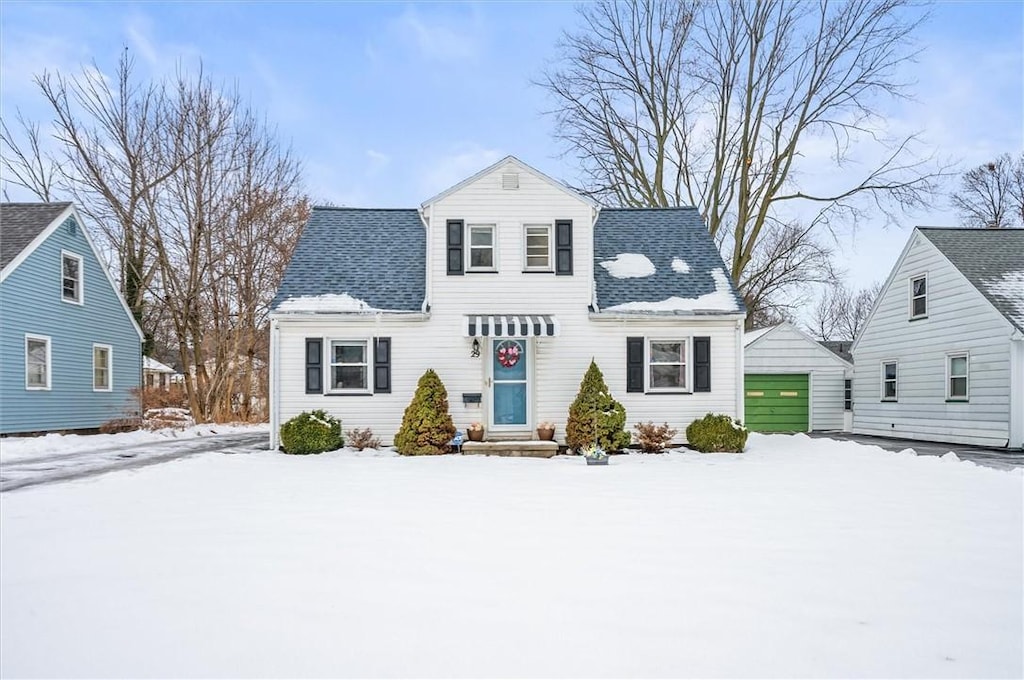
[{"x": 794, "y": 384}]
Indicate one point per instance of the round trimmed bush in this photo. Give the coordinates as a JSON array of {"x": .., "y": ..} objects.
[
  {"x": 314, "y": 432},
  {"x": 715, "y": 432}
]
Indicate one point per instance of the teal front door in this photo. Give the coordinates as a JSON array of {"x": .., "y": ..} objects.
[{"x": 510, "y": 383}]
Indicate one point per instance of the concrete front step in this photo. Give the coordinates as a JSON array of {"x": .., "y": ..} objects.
[{"x": 530, "y": 448}]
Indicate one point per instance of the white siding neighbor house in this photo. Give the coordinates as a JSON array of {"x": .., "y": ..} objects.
[
  {"x": 507, "y": 285},
  {"x": 941, "y": 356},
  {"x": 793, "y": 383}
]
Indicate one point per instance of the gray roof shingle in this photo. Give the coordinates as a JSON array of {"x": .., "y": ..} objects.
[
  {"x": 992, "y": 260},
  {"x": 22, "y": 222},
  {"x": 375, "y": 255},
  {"x": 661, "y": 234}
]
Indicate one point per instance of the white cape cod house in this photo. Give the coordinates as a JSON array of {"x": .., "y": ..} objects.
[
  {"x": 941, "y": 356},
  {"x": 507, "y": 285}
]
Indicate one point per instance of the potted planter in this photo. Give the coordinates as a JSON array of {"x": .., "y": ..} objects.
[
  {"x": 546, "y": 431},
  {"x": 595, "y": 455},
  {"x": 475, "y": 432}
]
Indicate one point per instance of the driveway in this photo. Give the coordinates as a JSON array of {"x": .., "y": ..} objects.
[
  {"x": 62, "y": 467},
  {"x": 1003, "y": 459}
]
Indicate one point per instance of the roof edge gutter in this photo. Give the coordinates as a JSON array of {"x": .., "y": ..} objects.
[
  {"x": 350, "y": 316},
  {"x": 654, "y": 316}
]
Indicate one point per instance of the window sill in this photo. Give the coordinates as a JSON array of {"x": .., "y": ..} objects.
[
  {"x": 348, "y": 394},
  {"x": 538, "y": 271},
  {"x": 889, "y": 401},
  {"x": 481, "y": 271},
  {"x": 103, "y": 389},
  {"x": 918, "y": 318},
  {"x": 73, "y": 302},
  {"x": 669, "y": 392},
  {"x": 958, "y": 400},
  {"x": 37, "y": 389}
]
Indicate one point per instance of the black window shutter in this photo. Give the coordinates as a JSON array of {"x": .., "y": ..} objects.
[
  {"x": 563, "y": 247},
  {"x": 702, "y": 364},
  {"x": 382, "y": 365},
  {"x": 455, "y": 257},
  {"x": 314, "y": 365},
  {"x": 634, "y": 364}
]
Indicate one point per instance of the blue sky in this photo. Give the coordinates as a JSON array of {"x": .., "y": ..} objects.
[{"x": 389, "y": 103}]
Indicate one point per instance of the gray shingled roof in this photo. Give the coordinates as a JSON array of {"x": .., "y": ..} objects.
[
  {"x": 661, "y": 234},
  {"x": 841, "y": 348},
  {"x": 987, "y": 257},
  {"x": 22, "y": 222},
  {"x": 375, "y": 255}
]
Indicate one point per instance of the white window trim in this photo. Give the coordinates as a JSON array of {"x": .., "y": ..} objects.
[
  {"x": 550, "y": 266},
  {"x": 896, "y": 382},
  {"x": 81, "y": 278},
  {"x": 49, "y": 362},
  {"x": 367, "y": 344},
  {"x": 110, "y": 368},
  {"x": 949, "y": 360},
  {"x": 688, "y": 358},
  {"x": 927, "y": 294},
  {"x": 469, "y": 247}
]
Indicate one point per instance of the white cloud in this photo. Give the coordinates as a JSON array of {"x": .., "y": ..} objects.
[
  {"x": 440, "y": 37},
  {"x": 377, "y": 161}
]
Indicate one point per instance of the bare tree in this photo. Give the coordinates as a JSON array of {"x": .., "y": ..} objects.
[
  {"x": 713, "y": 104},
  {"x": 841, "y": 313},
  {"x": 29, "y": 167},
  {"x": 992, "y": 195}
]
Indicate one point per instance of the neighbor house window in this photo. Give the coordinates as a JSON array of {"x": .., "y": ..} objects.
[
  {"x": 71, "y": 278},
  {"x": 481, "y": 247},
  {"x": 848, "y": 395},
  {"x": 889, "y": 373},
  {"x": 101, "y": 368},
  {"x": 348, "y": 365},
  {"x": 666, "y": 364},
  {"x": 918, "y": 297},
  {"x": 538, "y": 247},
  {"x": 957, "y": 369},
  {"x": 37, "y": 362}
]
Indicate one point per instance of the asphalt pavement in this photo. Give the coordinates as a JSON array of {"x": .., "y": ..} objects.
[
  {"x": 62, "y": 467},
  {"x": 1004, "y": 459}
]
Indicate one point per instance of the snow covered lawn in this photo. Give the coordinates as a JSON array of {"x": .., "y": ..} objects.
[{"x": 799, "y": 558}]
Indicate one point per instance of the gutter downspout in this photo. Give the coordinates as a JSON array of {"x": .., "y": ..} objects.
[
  {"x": 428, "y": 221},
  {"x": 273, "y": 379},
  {"x": 740, "y": 389}
]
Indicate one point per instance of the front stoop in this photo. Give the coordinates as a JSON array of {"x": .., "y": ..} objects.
[{"x": 528, "y": 448}]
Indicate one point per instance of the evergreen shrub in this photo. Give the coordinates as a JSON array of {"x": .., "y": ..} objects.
[
  {"x": 314, "y": 432},
  {"x": 595, "y": 418},
  {"x": 427, "y": 426},
  {"x": 718, "y": 433}
]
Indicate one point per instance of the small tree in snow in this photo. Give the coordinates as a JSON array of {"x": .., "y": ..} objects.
[
  {"x": 427, "y": 426},
  {"x": 595, "y": 418}
]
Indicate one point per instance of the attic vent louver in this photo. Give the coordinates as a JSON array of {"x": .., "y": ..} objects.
[
  {"x": 71, "y": 227},
  {"x": 510, "y": 180}
]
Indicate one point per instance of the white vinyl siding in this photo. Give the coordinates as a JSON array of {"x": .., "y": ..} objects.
[
  {"x": 37, "y": 362},
  {"x": 71, "y": 277},
  {"x": 960, "y": 320},
  {"x": 101, "y": 364}
]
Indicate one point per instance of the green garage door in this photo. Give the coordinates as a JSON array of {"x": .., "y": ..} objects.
[{"x": 776, "y": 403}]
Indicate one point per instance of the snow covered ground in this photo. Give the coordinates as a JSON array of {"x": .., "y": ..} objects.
[{"x": 799, "y": 558}]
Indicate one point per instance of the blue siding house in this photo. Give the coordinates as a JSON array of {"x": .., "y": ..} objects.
[{"x": 70, "y": 350}]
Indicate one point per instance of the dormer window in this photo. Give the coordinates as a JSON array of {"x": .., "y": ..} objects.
[
  {"x": 919, "y": 297},
  {"x": 481, "y": 248},
  {"x": 71, "y": 278}
]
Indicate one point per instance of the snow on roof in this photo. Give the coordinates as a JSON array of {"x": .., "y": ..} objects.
[
  {"x": 629, "y": 266},
  {"x": 330, "y": 302},
  {"x": 721, "y": 300},
  {"x": 755, "y": 334},
  {"x": 1010, "y": 289},
  {"x": 151, "y": 364},
  {"x": 679, "y": 266}
]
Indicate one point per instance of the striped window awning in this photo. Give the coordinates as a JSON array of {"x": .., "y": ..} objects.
[{"x": 510, "y": 325}]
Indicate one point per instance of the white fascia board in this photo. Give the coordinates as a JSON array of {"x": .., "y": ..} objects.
[
  {"x": 491, "y": 168},
  {"x": 335, "y": 317},
  {"x": 644, "y": 317}
]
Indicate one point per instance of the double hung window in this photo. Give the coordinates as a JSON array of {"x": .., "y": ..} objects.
[
  {"x": 37, "y": 362},
  {"x": 957, "y": 370},
  {"x": 538, "y": 248},
  {"x": 348, "y": 369},
  {"x": 101, "y": 368},
  {"x": 71, "y": 278},
  {"x": 666, "y": 365},
  {"x": 481, "y": 247},
  {"x": 889, "y": 380},
  {"x": 918, "y": 297}
]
